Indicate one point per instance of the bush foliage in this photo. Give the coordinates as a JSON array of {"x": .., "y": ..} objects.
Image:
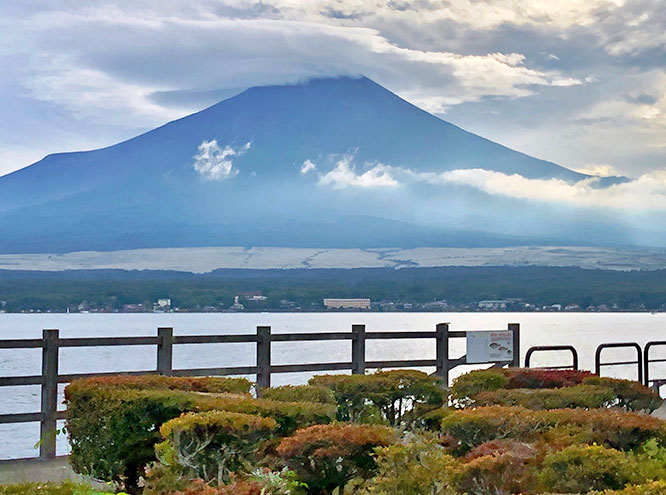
[
  {"x": 327, "y": 456},
  {"x": 550, "y": 389},
  {"x": 300, "y": 393},
  {"x": 212, "y": 445},
  {"x": 113, "y": 428},
  {"x": 510, "y": 431},
  {"x": 384, "y": 396}
]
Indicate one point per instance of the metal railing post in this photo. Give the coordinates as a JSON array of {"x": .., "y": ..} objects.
[
  {"x": 442, "y": 352},
  {"x": 49, "y": 402},
  {"x": 263, "y": 357},
  {"x": 165, "y": 351},
  {"x": 515, "y": 329},
  {"x": 358, "y": 349}
]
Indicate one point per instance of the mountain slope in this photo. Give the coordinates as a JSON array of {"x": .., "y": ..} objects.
[{"x": 146, "y": 192}]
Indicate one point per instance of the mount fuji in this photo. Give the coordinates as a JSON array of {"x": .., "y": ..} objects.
[{"x": 339, "y": 162}]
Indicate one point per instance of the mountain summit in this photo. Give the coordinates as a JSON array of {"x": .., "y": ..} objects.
[{"x": 328, "y": 163}]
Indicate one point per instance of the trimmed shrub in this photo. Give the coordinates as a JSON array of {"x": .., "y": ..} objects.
[
  {"x": 629, "y": 394},
  {"x": 382, "y": 396},
  {"x": 503, "y": 446},
  {"x": 416, "y": 467},
  {"x": 49, "y": 488},
  {"x": 583, "y": 468},
  {"x": 209, "y": 384},
  {"x": 300, "y": 393},
  {"x": 585, "y": 396},
  {"x": 466, "y": 387},
  {"x": 327, "y": 456},
  {"x": 494, "y": 475},
  {"x": 213, "y": 444},
  {"x": 654, "y": 488},
  {"x": 113, "y": 424},
  {"x": 288, "y": 415},
  {"x": 610, "y": 427},
  {"x": 260, "y": 482},
  {"x": 538, "y": 378}
]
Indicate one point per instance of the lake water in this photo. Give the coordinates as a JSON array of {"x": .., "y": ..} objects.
[{"x": 583, "y": 330}]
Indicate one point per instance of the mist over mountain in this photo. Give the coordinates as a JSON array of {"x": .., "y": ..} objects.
[{"x": 328, "y": 163}]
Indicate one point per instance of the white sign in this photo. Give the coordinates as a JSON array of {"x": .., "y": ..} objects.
[{"x": 489, "y": 346}]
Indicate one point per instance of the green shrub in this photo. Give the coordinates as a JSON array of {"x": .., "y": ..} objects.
[
  {"x": 563, "y": 427},
  {"x": 494, "y": 475},
  {"x": 629, "y": 394},
  {"x": 466, "y": 387},
  {"x": 540, "y": 378},
  {"x": 654, "y": 488},
  {"x": 382, "y": 396},
  {"x": 113, "y": 424},
  {"x": 300, "y": 393},
  {"x": 209, "y": 384},
  {"x": 288, "y": 415},
  {"x": 211, "y": 445},
  {"x": 419, "y": 466},
  {"x": 583, "y": 468},
  {"x": 50, "y": 488},
  {"x": 585, "y": 396},
  {"x": 259, "y": 482},
  {"x": 327, "y": 456}
]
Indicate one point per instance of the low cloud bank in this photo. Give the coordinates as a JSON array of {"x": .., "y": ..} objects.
[
  {"x": 646, "y": 193},
  {"x": 344, "y": 175}
]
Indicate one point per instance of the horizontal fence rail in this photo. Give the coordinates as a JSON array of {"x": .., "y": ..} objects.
[{"x": 51, "y": 343}]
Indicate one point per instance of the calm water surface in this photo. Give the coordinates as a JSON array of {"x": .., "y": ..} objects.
[{"x": 583, "y": 330}]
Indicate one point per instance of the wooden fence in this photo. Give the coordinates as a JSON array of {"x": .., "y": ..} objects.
[{"x": 51, "y": 343}]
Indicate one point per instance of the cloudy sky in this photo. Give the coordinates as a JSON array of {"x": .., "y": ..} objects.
[{"x": 578, "y": 82}]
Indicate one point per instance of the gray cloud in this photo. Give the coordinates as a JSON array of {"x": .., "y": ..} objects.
[{"x": 89, "y": 75}]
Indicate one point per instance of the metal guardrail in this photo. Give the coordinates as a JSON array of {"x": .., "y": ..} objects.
[
  {"x": 549, "y": 348},
  {"x": 649, "y": 382},
  {"x": 619, "y": 345},
  {"x": 51, "y": 343}
]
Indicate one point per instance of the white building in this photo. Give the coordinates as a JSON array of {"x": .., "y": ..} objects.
[
  {"x": 347, "y": 303},
  {"x": 493, "y": 304},
  {"x": 164, "y": 303}
]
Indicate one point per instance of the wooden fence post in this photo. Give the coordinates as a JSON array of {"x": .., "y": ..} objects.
[
  {"x": 515, "y": 329},
  {"x": 49, "y": 404},
  {"x": 442, "y": 353},
  {"x": 165, "y": 351},
  {"x": 358, "y": 349},
  {"x": 263, "y": 357}
]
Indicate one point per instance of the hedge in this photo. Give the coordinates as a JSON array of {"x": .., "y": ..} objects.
[
  {"x": 548, "y": 389},
  {"x": 209, "y": 384},
  {"x": 113, "y": 429},
  {"x": 300, "y": 393},
  {"x": 583, "y": 468},
  {"x": 561, "y": 427},
  {"x": 212, "y": 445},
  {"x": 629, "y": 394},
  {"x": 49, "y": 488},
  {"x": 384, "y": 396},
  {"x": 585, "y": 396},
  {"x": 654, "y": 488},
  {"x": 327, "y": 456}
]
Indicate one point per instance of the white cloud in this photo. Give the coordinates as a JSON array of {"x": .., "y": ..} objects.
[
  {"x": 344, "y": 175},
  {"x": 646, "y": 193},
  {"x": 308, "y": 165},
  {"x": 215, "y": 163},
  {"x": 598, "y": 169}
]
